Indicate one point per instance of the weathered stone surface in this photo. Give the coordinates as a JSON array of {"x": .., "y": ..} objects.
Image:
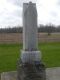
[
  {"x": 30, "y": 52},
  {"x": 29, "y": 26},
  {"x": 30, "y": 56},
  {"x": 51, "y": 74},
  {"x": 34, "y": 71},
  {"x": 9, "y": 75}
]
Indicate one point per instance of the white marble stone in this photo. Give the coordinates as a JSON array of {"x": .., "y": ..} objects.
[
  {"x": 30, "y": 41},
  {"x": 30, "y": 56},
  {"x": 30, "y": 51}
]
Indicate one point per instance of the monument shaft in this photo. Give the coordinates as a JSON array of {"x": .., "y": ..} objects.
[
  {"x": 29, "y": 27},
  {"x": 30, "y": 52}
]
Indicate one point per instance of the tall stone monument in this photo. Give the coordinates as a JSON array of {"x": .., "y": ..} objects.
[{"x": 30, "y": 65}]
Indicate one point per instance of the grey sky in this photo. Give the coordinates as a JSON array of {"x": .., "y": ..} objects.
[
  {"x": 20, "y": 2},
  {"x": 11, "y": 12}
]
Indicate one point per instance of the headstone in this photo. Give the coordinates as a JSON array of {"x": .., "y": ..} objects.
[
  {"x": 30, "y": 66},
  {"x": 30, "y": 42}
]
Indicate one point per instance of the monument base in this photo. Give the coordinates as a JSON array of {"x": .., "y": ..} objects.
[
  {"x": 30, "y": 56},
  {"x": 30, "y": 66},
  {"x": 34, "y": 71}
]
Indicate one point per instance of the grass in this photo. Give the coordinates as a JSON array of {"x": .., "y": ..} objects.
[
  {"x": 50, "y": 53},
  {"x": 9, "y": 54}
]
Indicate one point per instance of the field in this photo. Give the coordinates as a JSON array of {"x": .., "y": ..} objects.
[
  {"x": 9, "y": 54},
  {"x": 17, "y": 37}
]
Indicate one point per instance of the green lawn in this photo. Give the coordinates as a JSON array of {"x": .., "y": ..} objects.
[{"x": 9, "y": 54}]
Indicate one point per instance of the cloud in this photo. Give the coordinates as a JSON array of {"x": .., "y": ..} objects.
[
  {"x": 58, "y": 2},
  {"x": 48, "y": 12},
  {"x": 20, "y": 2},
  {"x": 11, "y": 12},
  {"x": 10, "y": 20}
]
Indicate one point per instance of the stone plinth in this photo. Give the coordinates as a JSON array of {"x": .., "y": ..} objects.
[{"x": 30, "y": 56}]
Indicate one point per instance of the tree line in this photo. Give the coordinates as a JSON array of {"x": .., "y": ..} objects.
[
  {"x": 11, "y": 30},
  {"x": 41, "y": 28}
]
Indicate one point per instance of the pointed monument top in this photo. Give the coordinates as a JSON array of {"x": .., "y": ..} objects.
[{"x": 30, "y": 2}]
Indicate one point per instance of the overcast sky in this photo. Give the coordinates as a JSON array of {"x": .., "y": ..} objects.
[{"x": 11, "y": 12}]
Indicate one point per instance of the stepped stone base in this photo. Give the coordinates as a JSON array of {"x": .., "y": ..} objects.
[
  {"x": 34, "y": 71},
  {"x": 51, "y": 74}
]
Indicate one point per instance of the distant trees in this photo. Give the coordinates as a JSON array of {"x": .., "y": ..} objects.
[
  {"x": 58, "y": 28},
  {"x": 11, "y": 30},
  {"x": 48, "y": 28},
  {"x": 41, "y": 28}
]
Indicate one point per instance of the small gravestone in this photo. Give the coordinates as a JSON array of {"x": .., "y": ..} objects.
[{"x": 30, "y": 66}]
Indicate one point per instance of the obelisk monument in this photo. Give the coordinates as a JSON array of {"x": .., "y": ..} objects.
[
  {"x": 30, "y": 67},
  {"x": 30, "y": 51}
]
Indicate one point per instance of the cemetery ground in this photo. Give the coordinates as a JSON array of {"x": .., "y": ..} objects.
[{"x": 9, "y": 54}]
